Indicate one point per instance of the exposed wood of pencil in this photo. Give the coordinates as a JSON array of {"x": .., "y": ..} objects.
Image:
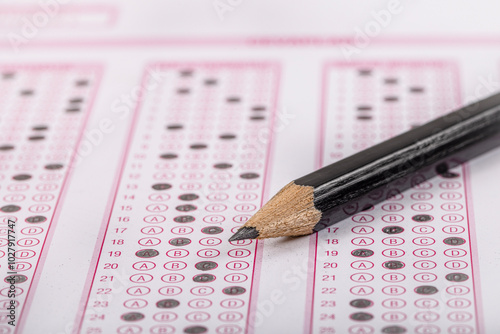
[
  {"x": 442, "y": 143},
  {"x": 290, "y": 212}
]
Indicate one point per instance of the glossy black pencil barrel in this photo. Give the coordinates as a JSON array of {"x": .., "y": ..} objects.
[
  {"x": 368, "y": 177},
  {"x": 458, "y": 136}
]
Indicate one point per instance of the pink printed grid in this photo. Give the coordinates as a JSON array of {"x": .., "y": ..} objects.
[
  {"x": 46, "y": 109},
  {"x": 258, "y": 41},
  {"x": 172, "y": 102},
  {"x": 326, "y": 112}
]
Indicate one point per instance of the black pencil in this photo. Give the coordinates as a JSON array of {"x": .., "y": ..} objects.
[{"x": 371, "y": 176}]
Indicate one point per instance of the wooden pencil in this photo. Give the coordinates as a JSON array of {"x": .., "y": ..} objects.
[{"x": 348, "y": 186}]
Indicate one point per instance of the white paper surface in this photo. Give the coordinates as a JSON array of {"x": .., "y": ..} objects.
[{"x": 289, "y": 90}]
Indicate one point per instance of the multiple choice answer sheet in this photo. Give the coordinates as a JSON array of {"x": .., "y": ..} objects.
[
  {"x": 195, "y": 171},
  {"x": 126, "y": 163},
  {"x": 415, "y": 265},
  {"x": 43, "y": 113}
]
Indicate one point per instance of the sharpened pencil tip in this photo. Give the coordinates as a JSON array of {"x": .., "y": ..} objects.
[{"x": 245, "y": 233}]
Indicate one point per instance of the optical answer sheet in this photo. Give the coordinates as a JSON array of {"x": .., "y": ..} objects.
[
  {"x": 199, "y": 125},
  {"x": 39, "y": 132},
  {"x": 184, "y": 144},
  {"x": 418, "y": 267}
]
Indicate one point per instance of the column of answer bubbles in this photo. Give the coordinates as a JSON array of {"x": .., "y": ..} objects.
[
  {"x": 403, "y": 266},
  {"x": 40, "y": 130},
  {"x": 194, "y": 172}
]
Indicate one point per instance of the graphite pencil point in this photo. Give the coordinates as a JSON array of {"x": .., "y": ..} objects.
[{"x": 245, "y": 233}]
